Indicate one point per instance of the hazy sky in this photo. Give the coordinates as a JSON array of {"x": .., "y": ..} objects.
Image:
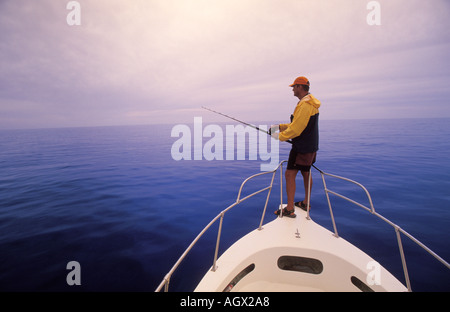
[{"x": 159, "y": 61}]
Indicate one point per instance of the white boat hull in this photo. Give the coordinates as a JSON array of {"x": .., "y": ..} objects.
[{"x": 298, "y": 255}]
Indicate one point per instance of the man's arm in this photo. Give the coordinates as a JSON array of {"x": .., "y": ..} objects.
[{"x": 301, "y": 118}]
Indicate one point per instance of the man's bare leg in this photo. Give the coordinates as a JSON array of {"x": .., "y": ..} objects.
[
  {"x": 290, "y": 175},
  {"x": 306, "y": 176}
]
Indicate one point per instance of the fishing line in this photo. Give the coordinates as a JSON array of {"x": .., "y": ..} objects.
[{"x": 242, "y": 122}]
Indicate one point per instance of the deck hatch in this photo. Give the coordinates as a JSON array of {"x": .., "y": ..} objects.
[
  {"x": 300, "y": 264},
  {"x": 238, "y": 277},
  {"x": 360, "y": 284}
]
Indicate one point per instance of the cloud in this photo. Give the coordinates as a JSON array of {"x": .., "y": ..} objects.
[{"x": 159, "y": 61}]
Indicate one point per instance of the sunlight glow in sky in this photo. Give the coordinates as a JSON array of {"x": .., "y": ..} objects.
[{"x": 158, "y": 61}]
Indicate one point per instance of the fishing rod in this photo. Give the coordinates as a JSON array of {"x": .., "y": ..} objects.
[
  {"x": 268, "y": 132},
  {"x": 242, "y": 122}
]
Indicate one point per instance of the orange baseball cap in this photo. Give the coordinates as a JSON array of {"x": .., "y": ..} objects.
[{"x": 300, "y": 81}]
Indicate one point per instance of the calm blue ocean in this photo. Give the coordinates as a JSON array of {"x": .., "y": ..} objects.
[{"x": 113, "y": 199}]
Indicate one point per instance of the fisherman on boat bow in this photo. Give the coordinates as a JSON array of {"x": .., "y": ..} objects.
[{"x": 304, "y": 133}]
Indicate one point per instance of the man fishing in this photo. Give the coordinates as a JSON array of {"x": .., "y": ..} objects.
[{"x": 303, "y": 131}]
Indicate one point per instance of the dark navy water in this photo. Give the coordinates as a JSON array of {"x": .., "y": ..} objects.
[{"x": 114, "y": 200}]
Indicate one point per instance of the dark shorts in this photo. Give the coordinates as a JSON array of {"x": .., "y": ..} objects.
[{"x": 300, "y": 161}]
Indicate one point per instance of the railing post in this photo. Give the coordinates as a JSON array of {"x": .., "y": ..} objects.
[
  {"x": 166, "y": 285},
  {"x": 309, "y": 195},
  {"x": 267, "y": 201},
  {"x": 281, "y": 188},
  {"x": 402, "y": 255},
  {"x": 329, "y": 205},
  {"x": 214, "y": 267}
]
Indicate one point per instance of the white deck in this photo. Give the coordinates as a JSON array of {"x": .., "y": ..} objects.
[{"x": 295, "y": 237}]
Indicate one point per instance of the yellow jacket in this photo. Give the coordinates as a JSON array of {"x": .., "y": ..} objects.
[{"x": 304, "y": 125}]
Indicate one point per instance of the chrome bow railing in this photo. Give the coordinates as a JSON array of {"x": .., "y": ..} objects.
[
  {"x": 220, "y": 216},
  {"x": 398, "y": 230},
  {"x": 371, "y": 209}
]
